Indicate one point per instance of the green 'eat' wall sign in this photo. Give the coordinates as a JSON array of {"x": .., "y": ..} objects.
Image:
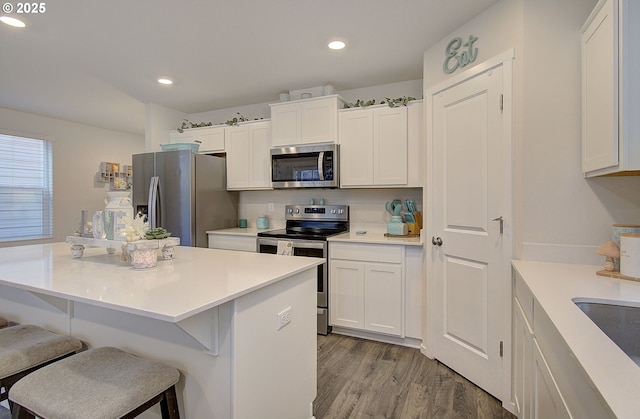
[{"x": 459, "y": 54}]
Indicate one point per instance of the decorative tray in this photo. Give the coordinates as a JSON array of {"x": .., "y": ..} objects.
[{"x": 113, "y": 244}]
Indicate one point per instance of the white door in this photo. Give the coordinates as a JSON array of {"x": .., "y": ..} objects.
[{"x": 469, "y": 155}]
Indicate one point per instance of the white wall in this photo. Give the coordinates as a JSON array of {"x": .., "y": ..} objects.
[
  {"x": 559, "y": 215},
  {"x": 366, "y": 206},
  {"x": 77, "y": 152},
  {"x": 159, "y": 120}
]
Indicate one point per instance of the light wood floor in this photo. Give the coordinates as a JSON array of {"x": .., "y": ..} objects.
[{"x": 360, "y": 379}]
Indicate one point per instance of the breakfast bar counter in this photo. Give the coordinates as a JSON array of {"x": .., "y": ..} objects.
[{"x": 213, "y": 314}]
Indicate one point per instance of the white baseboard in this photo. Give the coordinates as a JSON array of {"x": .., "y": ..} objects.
[
  {"x": 408, "y": 342},
  {"x": 562, "y": 253}
]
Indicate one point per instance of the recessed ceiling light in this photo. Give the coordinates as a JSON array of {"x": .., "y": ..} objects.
[
  {"x": 164, "y": 80},
  {"x": 336, "y": 44},
  {"x": 12, "y": 21}
]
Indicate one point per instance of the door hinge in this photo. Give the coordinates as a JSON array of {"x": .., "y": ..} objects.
[
  {"x": 501, "y": 349},
  {"x": 501, "y": 102}
]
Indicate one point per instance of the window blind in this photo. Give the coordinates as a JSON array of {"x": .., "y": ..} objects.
[{"x": 26, "y": 188}]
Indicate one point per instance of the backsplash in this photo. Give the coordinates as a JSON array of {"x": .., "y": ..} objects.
[{"x": 366, "y": 206}]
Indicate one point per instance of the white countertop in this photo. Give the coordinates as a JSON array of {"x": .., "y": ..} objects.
[
  {"x": 375, "y": 237},
  {"x": 555, "y": 286},
  {"x": 195, "y": 280}
]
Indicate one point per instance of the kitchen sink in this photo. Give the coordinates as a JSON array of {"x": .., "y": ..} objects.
[{"x": 619, "y": 322}]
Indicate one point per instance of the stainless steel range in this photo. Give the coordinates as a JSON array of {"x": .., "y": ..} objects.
[{"x": 307, "y": 229}]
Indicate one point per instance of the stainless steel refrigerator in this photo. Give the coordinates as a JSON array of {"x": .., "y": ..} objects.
[{"x": 184, "y": 192}]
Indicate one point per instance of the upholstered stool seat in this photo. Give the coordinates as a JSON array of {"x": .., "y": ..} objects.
[
  {"x": 3, "y": 322},
  {"x": 25, "y": 348},
  {"x": 99, "y": 383}
]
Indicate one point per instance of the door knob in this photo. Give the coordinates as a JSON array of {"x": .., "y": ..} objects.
[
  {"x": 436, "y": 241},
  {"x": 501, "y": 220}
]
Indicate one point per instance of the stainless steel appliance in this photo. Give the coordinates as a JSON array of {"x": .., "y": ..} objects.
[
  {"x": 314, "y": 166},
  {"x": 307, "y": 228},
  {"x": 184, "y": 192}
]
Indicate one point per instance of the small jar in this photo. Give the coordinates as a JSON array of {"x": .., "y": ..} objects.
[{"x": 262, "y": 222}]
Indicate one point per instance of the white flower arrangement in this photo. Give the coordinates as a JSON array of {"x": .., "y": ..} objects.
[{"x": 135, "y": 229}]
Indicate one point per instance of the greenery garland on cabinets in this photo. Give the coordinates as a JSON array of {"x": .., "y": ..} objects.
[
  {"x": 401, "y": 101},
  {"x": 186, "y": 124}
]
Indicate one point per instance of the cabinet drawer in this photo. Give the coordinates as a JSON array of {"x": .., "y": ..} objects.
[
  {"x": 231, "y": 242},
  {"x": 524, "y": 296},
  {"x": 371, "y": 253}
]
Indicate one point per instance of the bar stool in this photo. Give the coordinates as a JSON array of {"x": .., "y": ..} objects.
[
  {"x": 104, "y": 382},
  {"x": 25, "y": 348}
]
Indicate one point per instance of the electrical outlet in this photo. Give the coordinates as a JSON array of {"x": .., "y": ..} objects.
[
  {"x": 284, "y": 318},
  {"x": 270, "y": 205}
]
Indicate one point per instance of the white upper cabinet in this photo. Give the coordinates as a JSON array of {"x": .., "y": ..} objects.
[
  {"x": 611, "y": 89},
  {"x": 381, "y": 146},
  {"x": 211, "y": 139},
  {"x": 305, "y": 121},
  {"x": 248, "y": 158}
]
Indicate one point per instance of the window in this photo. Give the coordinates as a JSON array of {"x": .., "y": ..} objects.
[{"x": 26, "y": 188}]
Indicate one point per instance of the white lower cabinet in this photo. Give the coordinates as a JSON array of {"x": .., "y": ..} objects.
[
  {"x": 547, "y": 380},
  {"x": 522, "y": 362},
  {"x": 367, "y": 287},
  {"x": 547, "y": 400},
  {"x": 232, "y": 242}
]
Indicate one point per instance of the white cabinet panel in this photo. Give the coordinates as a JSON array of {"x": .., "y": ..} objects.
[
  {"x": 347, "y": 294},
  {"x": 248, "y": 161},
  {"x": 547, "y": 400},
  {"x": 305, "y": 121},
  {"x": 211, "y": 139},
  {"x": 381, "y": 146},
  {"x": 390, "y": 146},
  {"x": 610, "y": 88},
  {"x": 367, "y": 288},
  {"x": 383, "y": 298}
]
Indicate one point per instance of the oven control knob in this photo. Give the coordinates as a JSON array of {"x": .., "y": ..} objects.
[
  {"x": 290, "y": 210},
  {"x": 333, "y": 211},
  {"x": 297, "y": 210},
  {"x": 340, "y": 211}
]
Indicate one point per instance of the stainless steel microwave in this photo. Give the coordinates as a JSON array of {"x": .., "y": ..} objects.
[{"x": 309, "y": 166}]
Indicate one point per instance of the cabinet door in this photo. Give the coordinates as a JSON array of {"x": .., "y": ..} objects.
[
  {"x": 319, "y": 121},
  {"x": 211, "y": 139},
  {"x": 356, "y": 148},
  {"x": 415, "y": 140},
  {"x": 390, "y": 146},
  {"x": 286, "y": 124},
  {"x": 522, "y": 362},
  {"x": 260, "y": 162},
  {"x": 346, "y": 294},
  {"x": 547, "y": 400},
  {"x": 238, "y": 157},
  {"x": 383, "y": 298},
  {"x": 600, "y": 91}
]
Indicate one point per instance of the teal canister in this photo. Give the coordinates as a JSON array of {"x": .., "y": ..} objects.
[{"x": 262, "y": 222}]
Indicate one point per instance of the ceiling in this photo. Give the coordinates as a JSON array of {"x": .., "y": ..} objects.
[{"x": 96, "y": 62}]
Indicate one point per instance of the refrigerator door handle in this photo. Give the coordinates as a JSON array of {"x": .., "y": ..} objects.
[{"x": 153, "y": 201}]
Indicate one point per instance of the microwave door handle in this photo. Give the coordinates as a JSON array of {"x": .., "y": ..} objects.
[{"x": 321, "y": 165}]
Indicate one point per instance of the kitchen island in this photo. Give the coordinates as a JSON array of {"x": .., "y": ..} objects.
[{"x": 213, "y": 314}]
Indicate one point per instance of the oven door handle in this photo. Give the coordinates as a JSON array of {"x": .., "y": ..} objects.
[
  {"x": 321, "y": 165},
  {"x": 299, "y": 244}
]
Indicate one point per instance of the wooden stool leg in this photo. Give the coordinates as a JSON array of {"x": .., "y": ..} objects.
[
  {"x": 18, "y": 412},
  {"x": 169, "y": 404}
]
